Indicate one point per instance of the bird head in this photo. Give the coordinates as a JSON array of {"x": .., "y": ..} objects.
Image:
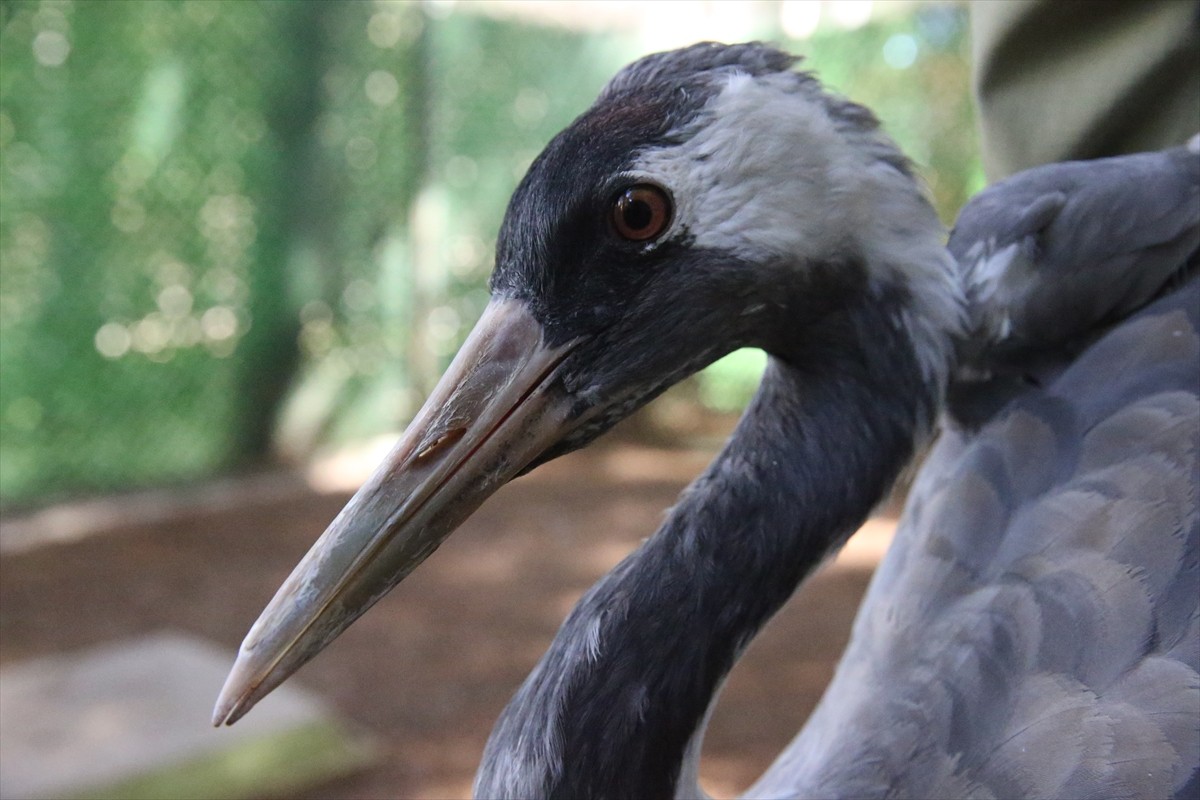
[{"x": 711, "y": 198}]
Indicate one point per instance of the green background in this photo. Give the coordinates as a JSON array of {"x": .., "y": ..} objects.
[{"x": 234, "y": 233}]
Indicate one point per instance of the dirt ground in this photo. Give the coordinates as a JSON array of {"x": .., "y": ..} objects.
[{"x": 428, "y": 670}]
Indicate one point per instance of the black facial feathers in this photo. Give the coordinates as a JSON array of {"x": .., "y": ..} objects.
[{"x": 555, "y": 234}]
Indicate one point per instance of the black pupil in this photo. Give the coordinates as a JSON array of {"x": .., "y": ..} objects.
[{"x": 637, "y": 214}]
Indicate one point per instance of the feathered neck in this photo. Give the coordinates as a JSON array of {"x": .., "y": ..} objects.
[{"x": 611, "y": 708}]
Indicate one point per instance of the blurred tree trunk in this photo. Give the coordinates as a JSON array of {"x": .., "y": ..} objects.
[{"x": 269, "y": 353}]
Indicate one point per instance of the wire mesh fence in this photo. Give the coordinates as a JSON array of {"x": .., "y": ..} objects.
[{"x": 230, "y": 231}]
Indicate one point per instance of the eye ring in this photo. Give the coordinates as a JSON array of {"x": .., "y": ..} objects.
[{"x": 642, "y": 212}]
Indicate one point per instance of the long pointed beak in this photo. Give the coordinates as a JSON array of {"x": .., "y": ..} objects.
[{"x": 491, "y": 414}]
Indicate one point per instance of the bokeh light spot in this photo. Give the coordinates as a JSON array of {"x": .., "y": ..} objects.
[
  {"x": 382, "y": 88},
  {"x": 219, "y": 323},
  {"x": 900, "y": 51},
  {"x": 384, "y": 29},
  {"x": 800, "y": 18},
  {"x": 51, "y": 48},
  {"x": 175, "y": 301},
  {"x": 151, "y": 334},
  {"x": 850, "y": 14},
  {"x": 113, "y": 340}
]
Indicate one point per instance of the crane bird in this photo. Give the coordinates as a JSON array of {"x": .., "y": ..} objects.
[{"x": 1032, "y": 630}]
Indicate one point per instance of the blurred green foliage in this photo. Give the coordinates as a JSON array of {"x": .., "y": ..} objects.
[
  {"x": 131, "y": 223},
  {"x": 233, "y": 229}
]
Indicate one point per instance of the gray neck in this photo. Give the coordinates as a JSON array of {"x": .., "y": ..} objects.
[{"x": 612, "y": 706}]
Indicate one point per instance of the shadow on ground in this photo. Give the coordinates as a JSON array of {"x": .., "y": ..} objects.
[{"x": 429, "y": 669}]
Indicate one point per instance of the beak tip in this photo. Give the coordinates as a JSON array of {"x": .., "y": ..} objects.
[
  {"x": 230, "y": 709},
  {"x": 220, "y": 714},
  {"x": 225, "y": 711},
  {"x": 237, "y": 696}
]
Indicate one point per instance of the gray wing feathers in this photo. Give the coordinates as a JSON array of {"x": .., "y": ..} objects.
[
  {"x": 1032, "y": 632},
  {"x": 1049, "y": 253}
]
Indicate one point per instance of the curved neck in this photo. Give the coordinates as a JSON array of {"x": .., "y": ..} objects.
[{"x": 612, "y": 706}]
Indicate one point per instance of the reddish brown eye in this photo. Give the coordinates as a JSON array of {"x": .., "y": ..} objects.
[{"x": 641, "y": 212}]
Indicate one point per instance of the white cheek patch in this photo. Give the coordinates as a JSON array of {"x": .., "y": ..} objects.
[
  {"x": 755, "y": 175},
  {"x": 767, "y": 170}
]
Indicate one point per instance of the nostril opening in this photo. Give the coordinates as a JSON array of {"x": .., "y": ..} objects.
[{"x": 440, "y": 442}]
